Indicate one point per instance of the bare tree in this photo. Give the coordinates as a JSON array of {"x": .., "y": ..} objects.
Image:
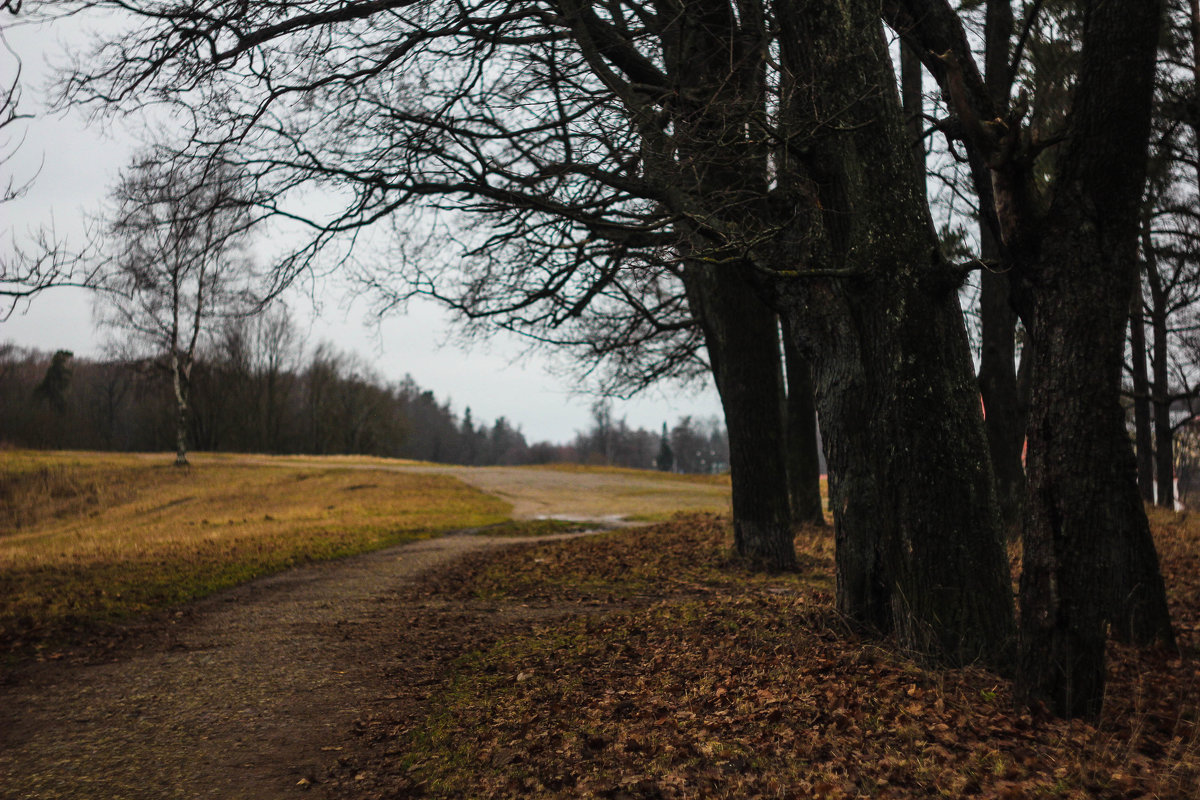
[
  {"x": 1164, "y": 391},
  {"x": 179, "y": 262}
]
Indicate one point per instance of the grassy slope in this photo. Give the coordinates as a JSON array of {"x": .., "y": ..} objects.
[
  {"x": 88, "y": 537},
  {"x": 709, "y": 682},
  {"x": 719, "y": 479}
]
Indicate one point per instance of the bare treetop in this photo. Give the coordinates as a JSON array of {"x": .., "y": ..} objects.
[{"x": 43, "y": 260}]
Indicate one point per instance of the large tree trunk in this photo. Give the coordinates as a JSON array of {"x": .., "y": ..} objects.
[
  {"x": 719, "y": 61},
  {"x": 743, "y": 348},
  {"x": 919, "y": 554},
  {"x": 918, "y": 546},
  {"x": 803, "y": 460},
  {"x": 998, "y": 387},
  {"x": 1089, "y": 559}
]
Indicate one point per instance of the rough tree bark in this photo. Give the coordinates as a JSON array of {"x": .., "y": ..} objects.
[
  {"x": 1086, "y": 537},
  {"x": 1087, "y": 529},
  {"x": 718, "y": 60},
  {"x": 918, "y": 546}
]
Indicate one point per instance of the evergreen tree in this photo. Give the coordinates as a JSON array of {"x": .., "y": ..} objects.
[
  {"x": 57, "y": 382},
  {"x": 666, "y": 458}
]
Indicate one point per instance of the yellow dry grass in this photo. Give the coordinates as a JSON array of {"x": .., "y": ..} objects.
[
  {"x": 574, "y": 492},
  {"x": 568, "y": 491},
  {"x": 92, "y": 536},
  {"x": 715, "y": 479}
]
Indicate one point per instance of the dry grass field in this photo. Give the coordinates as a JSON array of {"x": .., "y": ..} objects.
[
  {"x": 563, "y": 491},
  {"x": 87, "y": 537}
]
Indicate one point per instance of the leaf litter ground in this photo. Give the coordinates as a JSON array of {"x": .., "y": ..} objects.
[{"x": 646, "y": 664}]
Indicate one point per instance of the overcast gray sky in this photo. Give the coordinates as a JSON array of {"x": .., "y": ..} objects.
[{"x": 74, "y": 163}]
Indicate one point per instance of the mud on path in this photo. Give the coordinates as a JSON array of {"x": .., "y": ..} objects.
[{"x": 252, "y": 693}]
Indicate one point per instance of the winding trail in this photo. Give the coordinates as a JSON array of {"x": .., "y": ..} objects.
[
  {"x": 253, "y": 692},
  {"x": 250, "y": 693}
]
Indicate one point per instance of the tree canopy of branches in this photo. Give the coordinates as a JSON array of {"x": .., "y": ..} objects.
[{"x": 42, "y": 260}]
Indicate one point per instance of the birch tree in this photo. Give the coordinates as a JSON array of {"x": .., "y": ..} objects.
[{"x": 178, "y": 239}]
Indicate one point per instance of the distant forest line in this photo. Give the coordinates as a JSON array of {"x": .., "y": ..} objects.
[{"x": 257, "y": 389}]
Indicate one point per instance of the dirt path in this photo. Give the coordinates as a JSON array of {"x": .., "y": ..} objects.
[{"x": 252, "y": 693}]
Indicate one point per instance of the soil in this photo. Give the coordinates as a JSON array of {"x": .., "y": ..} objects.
[{"x": 262, "y": 691}]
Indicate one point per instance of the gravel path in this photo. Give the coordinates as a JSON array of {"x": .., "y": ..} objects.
[{"x": 251, "y": 693}]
